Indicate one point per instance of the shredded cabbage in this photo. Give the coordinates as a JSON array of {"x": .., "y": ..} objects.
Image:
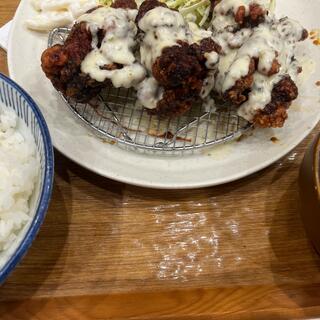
[
  {"x": 107, "y": 3},
  {"x": 193, "y": 10}
]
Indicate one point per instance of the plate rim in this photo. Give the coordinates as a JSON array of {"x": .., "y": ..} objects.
[{"x": 159, "y": 184}]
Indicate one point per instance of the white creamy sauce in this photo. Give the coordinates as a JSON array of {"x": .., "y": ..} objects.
[
  {"x": 208, "y": 84},
  {"x": 149, "y": 93},
  {"x": 162, "y": 28},
  {"x": 225, "y": 10},
  {"x": 116, "y": 47},
  {"x": 198, "y": 33},
  {"x": 209, "y": 104},
  {"x": 212, "y": 59},
  {"x": 238, "y": 69},
  {"x": 229, "y": 42},
  {"x": 268, "y": 43},
  {"x": 223, "y": 68}
]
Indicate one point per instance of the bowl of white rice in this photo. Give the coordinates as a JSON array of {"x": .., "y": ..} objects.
[{"x": 26, "y": 173}]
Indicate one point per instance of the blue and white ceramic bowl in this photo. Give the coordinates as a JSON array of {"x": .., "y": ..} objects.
[{"x": 14, "y": 97}]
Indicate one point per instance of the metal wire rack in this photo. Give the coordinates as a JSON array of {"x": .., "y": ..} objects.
[{"x": 118, "y": 116}]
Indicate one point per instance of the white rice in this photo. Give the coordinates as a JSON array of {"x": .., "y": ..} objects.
[{"x": 19, "y": 170}]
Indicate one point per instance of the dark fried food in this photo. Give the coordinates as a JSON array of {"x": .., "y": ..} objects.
[
  {"x": 178, "y": 66},
  {"x": 175, "y": 102},
  {"x": 62, "y": 63},
  {"x": 275, "y": 67},
  {"x": 285, "y": 90},
  {"x": 147, "y": 6},
  {"x": 183, "y": 64},
  {"x": 244, "y": 14},
  {"x": 239, "y": 92},
  {"x": 275, "y": 113},
  {"x": 255, "y": 17},
  {"x": 124, "y": 4},
  {"x": 180, "y": 69},
  {"x": 304, "y": 35},
  {"x": 273, "y": 119}
]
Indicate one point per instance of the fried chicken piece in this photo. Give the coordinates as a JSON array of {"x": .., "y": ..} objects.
[
  {"x": 255, "y": 17},
  {"x": 275, "y": 113},
  {"x": 207, "y": 45},
  {"x": 178, "y": 66},
  {"x": 179, "y": 69},
  {"x": 62, "y": 63},
  {"x": 242, "y": 14},
  {"x": 175, "y": 102},
  {"x": 147, "y": 6},
  {"x": 275, "y": 67},
  {"x": 273, "y": 118},
  {"x": 124, "y": 4},
  {"x": 239, "y": 92},
  {"x": 183, "y": 64}
]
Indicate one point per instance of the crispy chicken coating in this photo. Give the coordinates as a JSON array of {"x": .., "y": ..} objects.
[
  {"x": 62, "y": 65},
  {"x": 255, "y": 17},
  {"x": 175, "y": 102},
  {"x": 239, "y": 92},
  {"x": 124, "y": 4},
  {"x": 147, "y": 6},
  {"x": 180, "y": 70},
  {"x": 275, "y": 113},
  {"x": 177, "y": 66}
]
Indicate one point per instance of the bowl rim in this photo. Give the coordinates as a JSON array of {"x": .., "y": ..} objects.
[{"x": 45, "y": 192}]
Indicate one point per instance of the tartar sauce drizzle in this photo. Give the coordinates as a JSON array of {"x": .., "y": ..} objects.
[
  {"x": 273, "y": 39},
  {"x": 116, "y": 47},
  {"x": 225, "y": 10},
  {"x": 277, "y": 40},
  {"x": 149, "y": 93},
  {"x": 163, "y": 27}
]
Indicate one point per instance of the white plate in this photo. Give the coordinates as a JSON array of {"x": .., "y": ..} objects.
[{"x": 211, "y": 167}]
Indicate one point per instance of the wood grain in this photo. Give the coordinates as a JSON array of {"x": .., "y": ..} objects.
[{"x": 112, "y": 251}]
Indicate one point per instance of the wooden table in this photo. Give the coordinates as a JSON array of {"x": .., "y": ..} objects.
[{"x": 113, "y": 251}]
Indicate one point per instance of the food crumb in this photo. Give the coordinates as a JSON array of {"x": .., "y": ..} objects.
[
  {"x": 274, "y": 139},
  {"x": 112, "y": 142},
  {"x": 318, "y": 83},
  {"x": 240, "y": 138},
  {"x": 315, "y": 36}
]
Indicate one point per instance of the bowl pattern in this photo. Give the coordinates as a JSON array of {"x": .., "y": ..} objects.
[{"x": 14, "y": 97}]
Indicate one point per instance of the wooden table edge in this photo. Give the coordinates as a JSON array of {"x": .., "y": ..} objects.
[{"x": 247, "y": 302}]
